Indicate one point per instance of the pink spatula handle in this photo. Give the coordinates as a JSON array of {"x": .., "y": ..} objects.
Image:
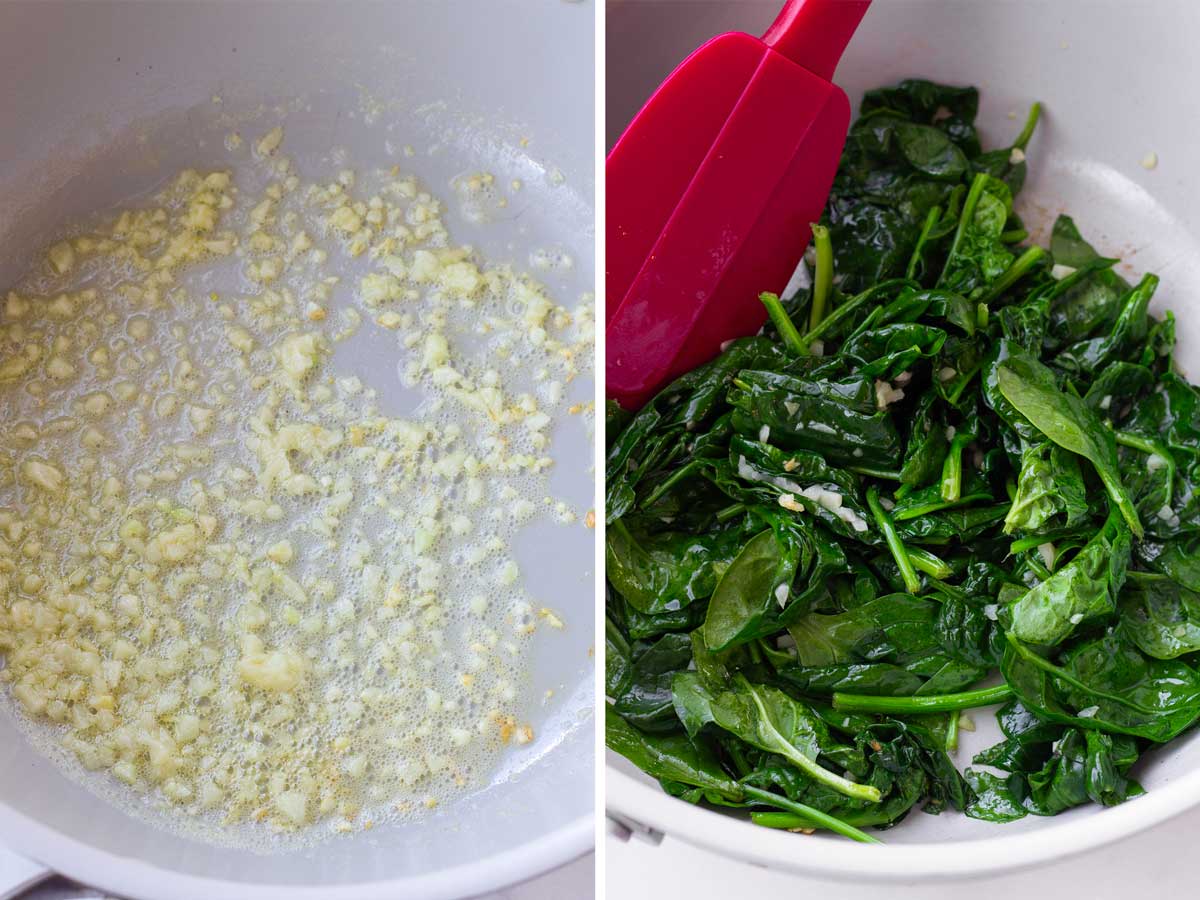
[{"x": 814, "y": 33}]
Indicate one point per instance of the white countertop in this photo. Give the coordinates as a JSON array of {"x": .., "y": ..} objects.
[
  {"x": 574, "y": 881},
  {"x": 1157, "y": 861}
]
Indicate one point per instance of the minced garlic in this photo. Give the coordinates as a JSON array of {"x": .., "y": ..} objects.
[{"x": 228, "y": 577}]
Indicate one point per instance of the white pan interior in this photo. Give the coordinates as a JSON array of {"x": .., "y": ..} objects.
[
  {"x": 1117, "y": 83},
  {"x": 101, "y": 101}
]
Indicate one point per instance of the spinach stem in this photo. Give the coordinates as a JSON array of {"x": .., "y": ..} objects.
[
  {"x": 955, "y": 201},
  {"x": 1116, "y": 492},
  {"x": 1039, "y": 568},
  {"x": 929, "y": 703},
  {"x": 870, "y": 321},
  {"x": 931, "y": 565},
  {"x": 808, "y": 766},
  {"x": 1137, "y": 442},
  {"x": 931, "y": 220},
  {"x": 952, "y": 469},
  {"x": 1087, "y": 270},
  {"x": 913, "y": 512},
  {"x": 1028, "y": 543},
  {"x": 684, "y": 471},
  {"x": 1015, "y": 236},
  {"x": 737, "y": 753},
  {"x": 1026, "y": 261},
  {"x": 962, "y": 383},
  {"x": 952, "y": 732},
  {"x": 782, "y": 821},
  {"x": 1031, "y": 120},
  {"x": 851, "y": 306},
  {"x": 912, "y": 581},
  {"x": 949, "y": 590},
  {"x": 729, "y": 512},
  {"x": 964, "y": 219},
  {"x": 823, "y": 277},
  {"x": 783, "y": 323},
  {"x": 884, "y": 474},
  {"x": 806, "y": 816}
]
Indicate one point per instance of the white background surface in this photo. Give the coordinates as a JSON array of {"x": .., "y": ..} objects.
[
  {"x": 1158, "y": 860},
  {"x": 574, "y": 881}
]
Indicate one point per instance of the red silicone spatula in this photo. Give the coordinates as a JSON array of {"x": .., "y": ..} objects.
[{"x": 711, "y": 190}]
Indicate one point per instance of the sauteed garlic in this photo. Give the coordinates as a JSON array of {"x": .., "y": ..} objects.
[{"x": 227, "y": 575}]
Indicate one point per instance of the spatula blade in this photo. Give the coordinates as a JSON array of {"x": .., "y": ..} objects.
[
  {"x": 738, "y": 228},
  {"x": 650, "y": 167}
]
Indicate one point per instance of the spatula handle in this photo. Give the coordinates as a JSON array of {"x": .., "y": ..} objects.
[{"x": 814, "y": 33}]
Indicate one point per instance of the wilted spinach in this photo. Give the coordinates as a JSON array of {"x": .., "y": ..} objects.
[{"x": 955, "y": 471}]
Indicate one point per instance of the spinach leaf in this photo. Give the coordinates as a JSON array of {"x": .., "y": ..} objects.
[
  {"x": 837, "y": 418},
  {"x": 927, "y": 443},
  {"x": 1067, "y": 421},
  {"x": 799, "y": 481},
  {"x": 1123, "y": 342},
  {"x": 1068, "y": 246},
  {"x": 618, "y": 660},
  {"x": 1089, "y": 299},
  {"x": 1025, "y": 324},
  {"x": 1179, "y": 560},
  {"x": 655, "y": 436},
  {"x": 759, "y": 576},
  {"x": 930, "y": 150},
  {"x": 893, "y": 645},
  {"x": 1050, "y": 485},
  {"x": 895, "y": 763},
  {"x": 640, "y": 626},
  {"x": 925, "y": 101},
  {"x": 755, "y": 596},
  {"x": 1084, "y": 766},
  {"x": 952, "y": 525},
  {"x": 1028, "y": 741},
  {"x": 1106, "y": 683},
  {"x": 663, "y": 572},
  {"x": 887, "y": 351},
  {"x": 669, "y": 757},
  {"x": 978, "y": 257},
  {"x": 767, "y": 718},
  {"x": 1083, "y": 590},
  {"x": 646, "y": 698},
  {"x": 1161, "y": 616}
]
